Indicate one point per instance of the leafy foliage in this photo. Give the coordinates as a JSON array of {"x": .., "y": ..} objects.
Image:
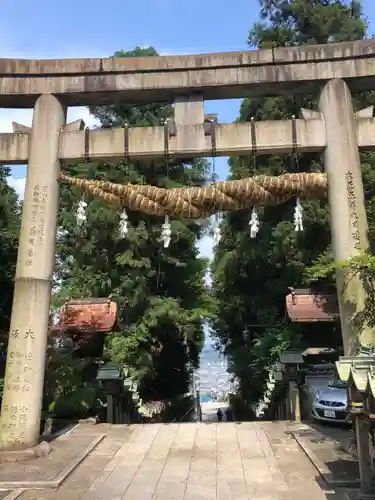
[
  {"x": 161, "y": 292},
  {"x": 362, "y": 267},
  {"x": 68, "y": 387},
  {"x": 9, "y": 229},
  {"x": 285, "y": 23},
  {"x": 251, "y": 277}
]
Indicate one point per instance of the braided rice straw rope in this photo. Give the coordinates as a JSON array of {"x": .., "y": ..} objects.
[{"x": 199, "y": 202}]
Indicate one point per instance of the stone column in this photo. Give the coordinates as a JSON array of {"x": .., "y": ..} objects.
[
  {"x": 349, "y": 238},
  {"x": 24, "y": 377},
  {"x": 347, "y": 207},
  {"x": 189, "y": 120}
]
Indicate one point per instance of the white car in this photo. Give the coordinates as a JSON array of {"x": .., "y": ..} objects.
[{"x": 330, "y": 404}]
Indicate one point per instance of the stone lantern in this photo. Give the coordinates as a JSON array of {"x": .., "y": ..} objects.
[
  {"x": 117, "y": 387},
  {"x": 291, "y": 362}
]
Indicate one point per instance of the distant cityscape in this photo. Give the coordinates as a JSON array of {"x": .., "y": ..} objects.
[{"x": 212, "y": 374}]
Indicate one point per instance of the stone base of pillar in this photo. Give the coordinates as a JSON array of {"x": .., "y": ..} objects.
[
  {"x": 41, "y": 450},
  {"x": 356, "y": 495},
  {"x": 366, "y": 472},
  {"x": 350, "y": 447}
]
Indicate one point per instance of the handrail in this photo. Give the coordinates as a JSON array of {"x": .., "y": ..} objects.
[{"x": 183, "y": 416}]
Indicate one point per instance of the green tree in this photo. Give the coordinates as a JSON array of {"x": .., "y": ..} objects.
[
  {"x": 161, "y": 292},
  {"x": 9, "y": 230},
  {"x": 251, "y": 277}
]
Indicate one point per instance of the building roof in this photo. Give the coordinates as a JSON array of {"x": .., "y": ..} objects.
[
  {"x": 319, "y": 351},
  {"x": 88, "y": 316},
  {"x": 358, "y": 371},
  {"x": 307, "y": 306}
]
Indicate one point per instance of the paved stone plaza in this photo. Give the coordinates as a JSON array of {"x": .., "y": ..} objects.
[{"x": 258, "y": 461}]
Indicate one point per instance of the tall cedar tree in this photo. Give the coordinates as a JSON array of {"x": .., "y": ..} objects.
[
  {"x": 251, "y": 277},
  {"x": 161, "y": 292},
  {"x": 9, "y": 230}
]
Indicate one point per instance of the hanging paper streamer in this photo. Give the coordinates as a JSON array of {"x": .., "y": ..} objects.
[
  {"x": 217, "y": 235},
  {"x": 217, "y": 230},
  {"x": 81, "y": 217},
  {"x": 123, "y": 227},
  {"x": 166, "y": 232},
  {"x": 254, "y": 224},
  {"x": 298, "y": 214}
]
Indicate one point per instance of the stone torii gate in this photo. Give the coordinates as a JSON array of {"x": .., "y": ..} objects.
[{"x": 50, "y": 86}]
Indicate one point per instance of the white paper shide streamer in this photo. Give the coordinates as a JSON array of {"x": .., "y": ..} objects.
[
  {"x": 254, "y": 223},
  {"x": 123, "y": 226},
  {"x": 166, "y": 232},
  {"x": 217, "y": 235},
  {"x": 217, "y": 230},
  {"x": 298, "y": 216},
  {"x": 81, "y": 216}
]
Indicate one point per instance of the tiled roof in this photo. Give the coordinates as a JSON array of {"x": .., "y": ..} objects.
[
  {"x": 305, "y": 306},
  {"x": 359, "y": 371},
  {"x": 88, "y": 316},
  {"x": 318, "y": 351}
]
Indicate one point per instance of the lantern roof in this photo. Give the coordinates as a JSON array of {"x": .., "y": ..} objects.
[
  {"x": 89, "y": 315},
  {"x": 308, "y": 306},
  {"x": 358, "y": 371},
  {"x": 110, "y": 371}
]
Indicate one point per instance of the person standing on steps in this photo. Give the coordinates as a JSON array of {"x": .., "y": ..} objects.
[{"x": 219, "y": 414}]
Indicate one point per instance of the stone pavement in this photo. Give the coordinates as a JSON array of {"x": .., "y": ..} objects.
[
  {"x": 189, "y": 461},
  {"x": 325, "y": 447}
]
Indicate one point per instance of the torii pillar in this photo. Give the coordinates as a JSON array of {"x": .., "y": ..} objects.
[
  {"x": 349, "y": 239},
  {"x": 347, "y": 207},
  {"x": 24, "y": 376}
]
